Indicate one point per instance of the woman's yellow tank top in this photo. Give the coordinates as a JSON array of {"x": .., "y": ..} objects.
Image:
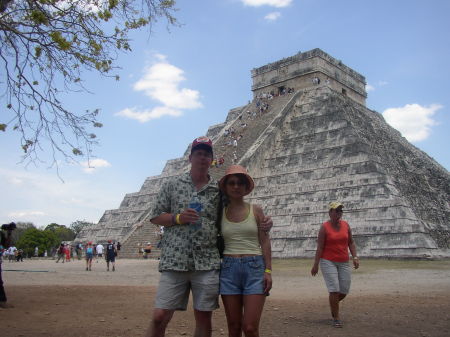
[{"x": 241, "y": 237}]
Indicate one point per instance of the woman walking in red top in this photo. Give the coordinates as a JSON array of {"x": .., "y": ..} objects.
[{"x": 334, "y": 241}]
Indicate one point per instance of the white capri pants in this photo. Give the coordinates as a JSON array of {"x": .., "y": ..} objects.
[{"x": 337, "y": 276}]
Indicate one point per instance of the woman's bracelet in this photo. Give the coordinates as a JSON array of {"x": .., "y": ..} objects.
[{"x": 268, "y": 271}]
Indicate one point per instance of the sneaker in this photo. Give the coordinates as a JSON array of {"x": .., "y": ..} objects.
[
  {"x": 114, "y": 268},
  {"x": 86, "y": 268}
]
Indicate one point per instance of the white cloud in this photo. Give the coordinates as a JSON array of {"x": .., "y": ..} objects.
[
  {"x": 42, "y": 198},
  {"x": 413, "y": 120},
  {"x": 381, "y": 83},
  {"x": 161, "y": 83},
  {"x": 91, "y": 165},
  {"x": 273, "y": 3},
  {"x": 15, "y": 181},
  {"x": 369, "y": 87},
  {"x": 146, "y": 115},
  {"x": 273, "y": 16},
  {"x": 25, "y": 214}
]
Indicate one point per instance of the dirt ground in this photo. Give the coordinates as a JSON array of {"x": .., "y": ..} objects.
[{"x": 388, "y": 298}]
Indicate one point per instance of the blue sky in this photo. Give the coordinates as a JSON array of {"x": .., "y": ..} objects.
[{"x": 175, "y": 83}]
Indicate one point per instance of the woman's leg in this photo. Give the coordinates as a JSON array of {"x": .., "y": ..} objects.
[
  {"x": 334, "y": 305},
  {"x": 253, "y": 306},
  {"x": 233, "y": 305}
]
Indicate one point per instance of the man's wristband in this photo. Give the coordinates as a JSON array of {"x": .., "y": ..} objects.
[
  {"x": 177, "y": 219},
  {"x": 268, "y": 271},
  {"x": 355, "y": 258}
]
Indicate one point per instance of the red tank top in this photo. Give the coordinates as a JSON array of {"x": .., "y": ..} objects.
[{"x": 336, "y": 242}]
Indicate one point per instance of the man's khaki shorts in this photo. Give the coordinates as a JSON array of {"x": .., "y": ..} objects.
[{"x": 174, "y": 288}]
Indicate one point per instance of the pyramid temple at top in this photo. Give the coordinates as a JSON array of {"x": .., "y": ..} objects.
[{"x": 308, "y": 139}]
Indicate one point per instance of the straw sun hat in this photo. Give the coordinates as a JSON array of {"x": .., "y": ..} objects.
[{"x": 237, "y": 169}]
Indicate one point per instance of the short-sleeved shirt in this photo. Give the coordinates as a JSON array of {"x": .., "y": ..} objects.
[
  {"x": 110, "y": 251},
  {"x": 186, "y": 247},
  {"x": 99, "y": 249}
]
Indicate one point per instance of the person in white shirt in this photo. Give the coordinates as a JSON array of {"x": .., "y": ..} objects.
[
  {"x": 11, "y": 253},
  {"x": 99, "y": 250}
]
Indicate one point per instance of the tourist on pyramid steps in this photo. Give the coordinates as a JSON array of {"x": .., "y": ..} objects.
[
  {"x": 110, "y": 255},
  {"x": 147, "y": 250},
  {"x": 99, "y": 250},
  {"x": 221, "y": 161},
  {"x": 61, "y": 253},
  {"x": 189, "y": 256},
  {"x": 5, "y": 241},
  {"x": 334, "y": 241},
  {"x": 89, "y": 252},
  {"x": 245, "y": 274}
]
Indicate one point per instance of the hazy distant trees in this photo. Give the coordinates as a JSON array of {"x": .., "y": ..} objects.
[
  {"x": 78, "y": 225},
  {"x": 45, "y": 45}
]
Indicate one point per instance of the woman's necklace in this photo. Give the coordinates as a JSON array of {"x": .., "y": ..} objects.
[{"x": 239, "y": 214}]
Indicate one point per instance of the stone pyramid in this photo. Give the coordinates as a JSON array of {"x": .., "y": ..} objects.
[{"x": 315, "y": 142}]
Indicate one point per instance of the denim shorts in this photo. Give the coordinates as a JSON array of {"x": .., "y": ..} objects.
[
  {"x": 337, "y": 276},
  {"x": 175, "y": 286},
  {"x": 242, "y": 275}
]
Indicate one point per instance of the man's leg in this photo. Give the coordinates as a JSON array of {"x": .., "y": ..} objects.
[
  {"x": 203, "y": 325},
  {"x": 205, "y": 293},
  {"x": 160, "y": 320},
  {"x": 2, "y": 290}
]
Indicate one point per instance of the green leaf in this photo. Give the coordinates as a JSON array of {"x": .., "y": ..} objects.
[{"x": 77, "y": 152}]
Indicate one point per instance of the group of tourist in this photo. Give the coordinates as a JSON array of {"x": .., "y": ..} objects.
[
  {"x": 95, "y": 251},
  {"x": 272, "y": 93},
  {"x": 190, "y": 259},
  {"x": 195, "y": 212},
  {"x": 90, "y": 251},
  {"x": 13, "y": 254}
]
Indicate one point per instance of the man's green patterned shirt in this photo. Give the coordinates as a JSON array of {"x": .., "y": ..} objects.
[{"x": 187, "y": 247}]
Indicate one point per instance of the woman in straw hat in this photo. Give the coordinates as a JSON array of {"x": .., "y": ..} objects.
[
  {"x": 334, "y": 241},
  {"x": 245, "y": 278}
]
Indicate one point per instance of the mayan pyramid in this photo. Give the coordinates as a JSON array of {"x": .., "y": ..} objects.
[{"x": 307, "y": 138}]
